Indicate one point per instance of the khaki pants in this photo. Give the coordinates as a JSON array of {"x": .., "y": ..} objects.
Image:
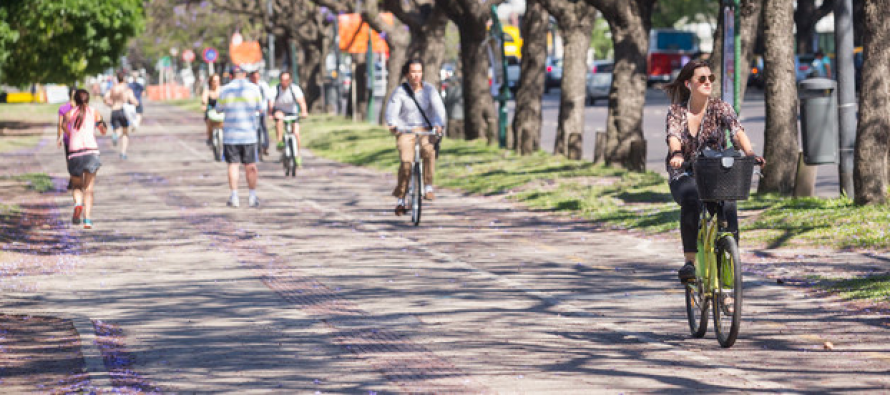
[{"x": 405, "y": 143}]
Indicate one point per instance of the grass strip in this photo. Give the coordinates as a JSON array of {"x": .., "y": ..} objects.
[
  {"x": 40, "y": 182},
  {"x": 616, "y": 198},
  {"x": 876, "y": 288}
]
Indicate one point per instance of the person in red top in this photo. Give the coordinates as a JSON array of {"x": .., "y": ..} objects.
[{"x": 83, "y": 154}]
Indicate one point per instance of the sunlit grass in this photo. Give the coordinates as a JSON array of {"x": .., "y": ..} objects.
[
  {"x": 40, "y": 182},
  {"x": 876, "y": 288},
  {"x": 616, "y": 198}
]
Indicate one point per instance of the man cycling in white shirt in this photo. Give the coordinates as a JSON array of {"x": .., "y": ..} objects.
[{"x": 288, "y": 100}]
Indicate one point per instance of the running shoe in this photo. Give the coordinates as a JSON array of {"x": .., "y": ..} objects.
[
  {"x": 78, "y": 211},
  {"x": 124, "y": 156},
  {"x": 87, "y": 224},
  {"x": 253, "y": 201},
  {"x": 233, "y": 202}
]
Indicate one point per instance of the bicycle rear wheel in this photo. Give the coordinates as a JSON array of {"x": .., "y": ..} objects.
[
  {"x": 417, "y": 194},
  {"x": 728, "y": 292},
  {"x": 696, "y": 309},
  {"x": 217, "y": 145}
]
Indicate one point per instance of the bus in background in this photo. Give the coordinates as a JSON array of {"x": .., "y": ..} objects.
[{"x": 669, "y": 50}]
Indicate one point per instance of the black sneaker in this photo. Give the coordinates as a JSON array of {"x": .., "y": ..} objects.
[{"x": 687, "y": 272}]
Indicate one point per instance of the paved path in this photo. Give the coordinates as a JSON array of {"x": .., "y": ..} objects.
[{"x": 323, "y": 289}]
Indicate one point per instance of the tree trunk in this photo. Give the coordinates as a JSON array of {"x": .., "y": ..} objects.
[
  {"x": 397, "y": 38},
  {"x": 576, "y": 23},
  {"x": 360, "y": 86},
  {"x": 428, "y": 44},
  {"x": 629, "y": 22},
  {"x": 480, "y": 120},
  {"x": 805, "y": 18},
  {"x": 873, "y": 133},
  {"x": 780, "y": 135},
  {"x": 752, "y": 16},
  {"x": 528, "y": 117}
]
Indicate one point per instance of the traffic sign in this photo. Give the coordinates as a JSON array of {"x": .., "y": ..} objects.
[
  {"x": 188, "y": 55},
  {"x": 210, "y": 54}
]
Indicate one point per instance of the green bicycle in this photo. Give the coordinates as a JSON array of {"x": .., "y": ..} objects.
[{"x": 718, "y": 277}]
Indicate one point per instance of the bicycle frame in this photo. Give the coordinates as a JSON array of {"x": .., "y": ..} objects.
[{"x": 708, "y": 235}]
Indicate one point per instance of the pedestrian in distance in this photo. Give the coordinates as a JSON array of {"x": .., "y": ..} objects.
[
  {"x": 696, "y": 120},
  {"x": 265, "y": 91},
  {"x": 82, "y": 122},
  {"x": 239, "y": 101},
  {"x": 208, "y": 103},
  {"x": 115, "y": 98},
  {"x": 821, "y": 66},
  {"x": 414, "y": 104},
  {"x": 62, "y": 130},
  {"x": 138, "y": 89}
]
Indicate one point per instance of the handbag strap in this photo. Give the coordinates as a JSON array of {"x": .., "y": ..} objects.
[{"x": 411, "y": 93}]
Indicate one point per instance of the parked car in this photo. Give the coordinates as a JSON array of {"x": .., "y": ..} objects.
[
  {"x": 513, "y": 71},
  {"x": 756, "y": 77},
  {"x": 803, "y": 66},
  {"x": 599, "y": 81},
  {"x": 553, "y": 75}
]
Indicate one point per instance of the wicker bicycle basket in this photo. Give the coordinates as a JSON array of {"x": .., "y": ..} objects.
[{"x": 716, "y": 181}]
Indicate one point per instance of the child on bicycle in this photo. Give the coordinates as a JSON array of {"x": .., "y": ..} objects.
[
  {"x": 414, "y": 104},
  {"x": 696, "y": 120}
]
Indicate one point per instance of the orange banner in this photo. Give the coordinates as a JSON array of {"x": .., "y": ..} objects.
[
  {"x": 247, "y": 52},
  {"x": 354, "y": 34}
]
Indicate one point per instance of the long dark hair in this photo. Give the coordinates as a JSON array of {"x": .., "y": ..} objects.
[
  {"x": 210, "y": 81},
  {"x": 82, "y": 101},
  {"x": 408, "y": 64},
  {"x": 677, "y": 91}
]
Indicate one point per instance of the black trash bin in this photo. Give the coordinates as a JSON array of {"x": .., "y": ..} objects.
[{"x": 818, "y": 120}]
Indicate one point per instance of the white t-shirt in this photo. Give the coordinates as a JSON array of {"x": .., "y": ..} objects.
[{"x": 285, "y": 101}]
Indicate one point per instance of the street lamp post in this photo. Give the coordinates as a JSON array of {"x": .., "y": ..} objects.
[
  {"x": 271, "y": 39},
  {"x": 498, "y": 33}
]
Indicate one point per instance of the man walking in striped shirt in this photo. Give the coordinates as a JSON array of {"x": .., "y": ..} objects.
[{"x": 239, "y": 100}]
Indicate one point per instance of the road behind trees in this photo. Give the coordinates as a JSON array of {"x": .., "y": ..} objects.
[{"x": 324, "y": 289}]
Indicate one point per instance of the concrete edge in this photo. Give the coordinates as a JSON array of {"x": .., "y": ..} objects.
[{"x": 99, "y": 377}]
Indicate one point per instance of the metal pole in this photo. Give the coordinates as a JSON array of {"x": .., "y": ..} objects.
[
  {"x": 271, "y": 41},
  {"x": 846, "y": 92},
  {"x": 504, "y": 94},
  {"x": 293, "y": 61},
  {"x": 369, "y": 63},
  {"x": 337, "y": 59},
  {"x": 737, "y": 73}
]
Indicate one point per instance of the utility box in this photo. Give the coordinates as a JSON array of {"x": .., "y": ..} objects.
[{"x": 818, "y": 120}]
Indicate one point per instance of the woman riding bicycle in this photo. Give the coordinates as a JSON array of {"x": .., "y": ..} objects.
[
  {"x": 696, "y": 120},
  {"x": 208, "y": 101},
  {"x": 415, "y": 104}
]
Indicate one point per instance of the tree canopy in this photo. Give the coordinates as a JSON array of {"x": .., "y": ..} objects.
[{"x": 61, "y": 41}]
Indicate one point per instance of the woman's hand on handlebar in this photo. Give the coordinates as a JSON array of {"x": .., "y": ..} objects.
[
  {"x": 677, "y": 161},
  {"x": 757, "y": 159}
]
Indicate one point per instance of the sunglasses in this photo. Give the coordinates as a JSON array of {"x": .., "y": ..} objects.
[{"x": 701, "y": 80}]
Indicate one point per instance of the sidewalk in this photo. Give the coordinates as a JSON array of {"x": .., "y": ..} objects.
[{"x": 324, "y": 289}]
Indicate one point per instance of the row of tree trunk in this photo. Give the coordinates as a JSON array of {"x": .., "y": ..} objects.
[{"x": 419, "y": 32}]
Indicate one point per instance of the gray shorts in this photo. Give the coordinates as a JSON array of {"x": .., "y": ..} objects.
[
  {"x": 240, "y": 153},
  {"x": 84, "y": 164}
]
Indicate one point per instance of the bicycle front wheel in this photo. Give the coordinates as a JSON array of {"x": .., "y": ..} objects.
[
  {"x": 728, "y": 292},
  {"x": 417, "y": 195},
  {"x": 295, "y": 154},
  {"x": 696, "y": 309}
]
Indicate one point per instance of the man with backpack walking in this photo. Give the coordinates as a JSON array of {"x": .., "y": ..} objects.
[{"x": 289, "y": 100}]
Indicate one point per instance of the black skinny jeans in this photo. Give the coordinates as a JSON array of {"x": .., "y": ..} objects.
[{"x": 685, "y": 193}]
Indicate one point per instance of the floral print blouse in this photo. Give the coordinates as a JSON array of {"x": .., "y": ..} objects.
[{"x": 719, "y": 116}]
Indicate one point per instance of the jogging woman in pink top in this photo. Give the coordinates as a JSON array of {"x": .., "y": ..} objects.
[{"x": 83, "y": 154}]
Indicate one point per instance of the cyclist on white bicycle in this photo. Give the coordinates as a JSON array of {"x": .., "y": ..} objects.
[
  {"x": 289, "y": 100},
  {"x": 415, "y": 104}
]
